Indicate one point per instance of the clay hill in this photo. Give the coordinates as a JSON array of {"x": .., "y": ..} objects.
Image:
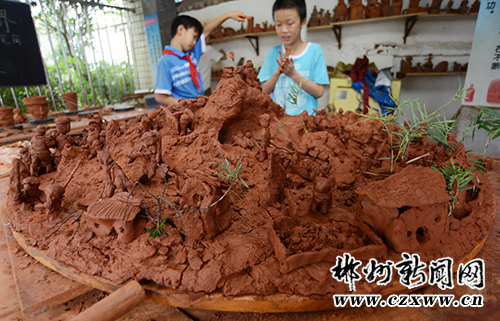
[{"x": 142, "y": 201}]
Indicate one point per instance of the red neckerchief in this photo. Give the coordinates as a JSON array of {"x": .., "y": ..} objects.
[{"x": 192, "y": 66}]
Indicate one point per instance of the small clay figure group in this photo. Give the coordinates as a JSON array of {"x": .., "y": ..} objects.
[
  {"x": 225, "y": 32},
  {"x": 406, "y": 66},
  {"x": 320, "y": 18}
]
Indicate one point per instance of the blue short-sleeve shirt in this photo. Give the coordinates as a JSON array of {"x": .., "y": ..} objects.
[
  {"x": 310, "y": 64},
  {"x": 173, "y": 77}
]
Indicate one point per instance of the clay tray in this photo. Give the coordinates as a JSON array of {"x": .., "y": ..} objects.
[{"x": 275, "y": 303}]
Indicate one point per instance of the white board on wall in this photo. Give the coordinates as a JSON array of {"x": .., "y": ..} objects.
[{"x": 483, "y": 74}]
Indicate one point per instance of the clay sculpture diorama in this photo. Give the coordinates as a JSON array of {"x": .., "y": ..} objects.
[{"x": 228, "y": 194}]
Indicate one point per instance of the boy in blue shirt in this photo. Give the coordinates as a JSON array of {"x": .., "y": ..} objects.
[
  {"x": 295, "y": 62},
  {"x": 178, "y": 73}
]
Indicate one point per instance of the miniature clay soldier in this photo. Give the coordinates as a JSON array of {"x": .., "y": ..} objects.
[
  {"x": 314, "y": 20},
  {"x": 53, "y": 195},
  {"x": 150, "y": 151},
  {"x": 40, "y": 153},
  {"x": 31, "y": 190},
  {"x": 184, "y": 122},
  {"x": 406, "y": 65},
  {"x": 250, "y": 25},
  {"x": 19, "y": 117},
  {"x": 18, "y": 173},
  {"x": 474, "y": 8},
  {"x": 442, "y": 67},
  {"x": 277, "y": 180},
  {"x": 464, "y": 7},
  {"x": 249, "y": 74},
  {"x": 63, "y": 124},
  {"x": 326, "y": 19},
  {"x": 373, "y": 10},
  {"x": 415, "y": 8},
  {"x": 386, "y": 8},
  {"x": 418, "y": 67},
  {"x": 435, "y": 6},
  {"x": 340, "y": 11},
  {"x": 396, "y": 7},
  {"x": 322, "y": 194},
  {"x": 94, "y": 138},
  {"x": 428, "y": 64},
  {"x": 116, "y": 179},
  {"x": 356, "y": 10},
  {"x": 264, "y": 121},
  {"x": 449, "y": 8}
]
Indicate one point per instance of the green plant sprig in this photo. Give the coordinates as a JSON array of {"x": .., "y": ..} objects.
[
  {"x": 231, "y": 176},
  {"x": 457, "y": 180}
]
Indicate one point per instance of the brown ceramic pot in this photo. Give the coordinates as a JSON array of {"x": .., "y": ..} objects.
[
  {"x": 6, "y": 117},
  {"x": 71, "y": 100},
  {"x": 37, "y": 106}
]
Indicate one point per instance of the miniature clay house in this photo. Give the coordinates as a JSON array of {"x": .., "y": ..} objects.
[{"x": 119, "y": 213}]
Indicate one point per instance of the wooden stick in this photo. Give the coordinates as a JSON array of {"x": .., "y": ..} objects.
[
  {"x": 72, "y": 173},
  {"x": 115, "y": 305}
]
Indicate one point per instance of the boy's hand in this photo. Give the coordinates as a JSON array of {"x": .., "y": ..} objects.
[
  {"x": 237, "y": 15},
  {"x": 286, "y": 65}
]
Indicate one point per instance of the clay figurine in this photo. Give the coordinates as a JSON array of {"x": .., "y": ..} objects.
[
  {"x": 31, "y": 190},
  {"x": 314, "y": 20},
  {"x": 428, "y": 64},
  {"x": 418, "y": 67},
  {"x": 250, "y": 25},
  {"x": 326, "y": 19},
  {"x": 19, "y": 172},
  {"x": 150, "y": 152},
  {"x": 53, "y": 194},
  {"x": 406, "y": 66},
  {"x": 94, "y": 139},
  {"x": 435, "y": 6},
  {"x": 264, "y": 121},
  {"x": 116, "y": 179},
  {"x": 185, "y": 121},
  {"x": 397, "y": 5},
  {"x": 441, "y": 67},
  {"x": 373, "y": 10},
  {"x": 474, "y": 8},
  {"x": 415, "y": 8},
  {"x": 322, "y": 195},
  {"x": 464, "y": 7},
  {"x": 257, "y": 28},
  {"x": 19, "y": 117},
  {"x": 386, "y": 8},
  {"x": 277, "y": 180},
  {"x": 449, "y": 8},
  {"x": 340, "y": 11},
  {"x": 63, "y": 124},
  {"x": 41, "y": 157},
  {"x": 356, "y": 10}
]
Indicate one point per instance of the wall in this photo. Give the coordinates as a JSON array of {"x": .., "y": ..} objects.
[
  {"x": 142, "y": 69},
  {"x": 446, "y": 39}
]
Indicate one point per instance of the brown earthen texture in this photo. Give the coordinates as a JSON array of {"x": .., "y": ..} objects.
[{"x": 318, "y": 186}]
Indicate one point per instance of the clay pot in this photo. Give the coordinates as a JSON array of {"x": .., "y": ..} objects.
[
  {"x": 37, "y": 106},
  {"x": 71, "y": 100},
  {"x": 6, "y": 117}
]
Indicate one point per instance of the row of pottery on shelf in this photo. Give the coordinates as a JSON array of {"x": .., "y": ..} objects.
[{"x": 38, "y": 106}]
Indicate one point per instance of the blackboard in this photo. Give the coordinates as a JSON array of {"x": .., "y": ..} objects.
[{"x": 20, "y": 59}]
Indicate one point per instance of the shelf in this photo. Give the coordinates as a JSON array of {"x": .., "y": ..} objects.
[
  {"x": 447, "y": 73},
  {"x": 410, "y": 20}
]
